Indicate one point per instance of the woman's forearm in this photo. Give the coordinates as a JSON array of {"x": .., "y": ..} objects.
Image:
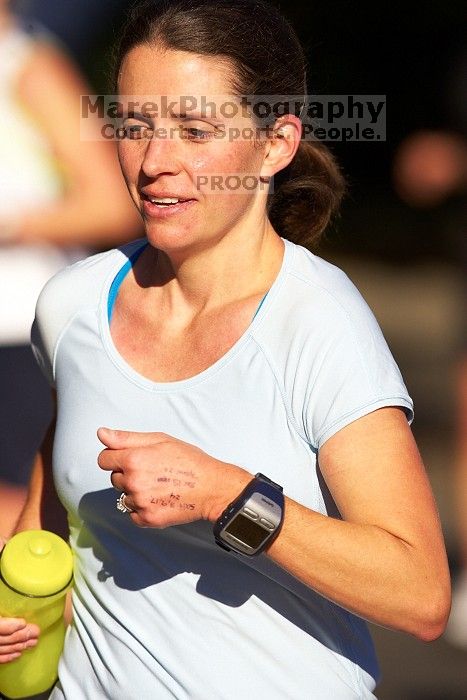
[{"x": 365, "y": 569}]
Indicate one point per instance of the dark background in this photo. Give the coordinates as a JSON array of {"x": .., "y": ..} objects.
[{"x": 411, "y": 52}]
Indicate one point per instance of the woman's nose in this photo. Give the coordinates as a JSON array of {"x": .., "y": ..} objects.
[{"x": 161, "y": 154}]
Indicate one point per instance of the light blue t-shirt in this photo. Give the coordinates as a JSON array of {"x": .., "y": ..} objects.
[{"x": 164, "y": 614}]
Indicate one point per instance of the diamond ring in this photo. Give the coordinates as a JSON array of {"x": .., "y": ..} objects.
[{"x": 121, "y": 505}]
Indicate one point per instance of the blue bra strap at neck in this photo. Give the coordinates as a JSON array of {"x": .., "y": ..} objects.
[
  {"x": 260, "y": 305},
  {"x": 118, "y": 279}
]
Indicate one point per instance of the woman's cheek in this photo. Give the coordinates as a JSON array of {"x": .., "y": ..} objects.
[
  {"x": 128, "y": 162},
  {"x": 203, "y": 169},
  {"x": 203, "y": 162}
]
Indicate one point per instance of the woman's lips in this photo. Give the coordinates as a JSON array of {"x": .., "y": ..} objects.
[{"x": 163, "y": 207}]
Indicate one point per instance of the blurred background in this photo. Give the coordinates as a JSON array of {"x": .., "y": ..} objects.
[{"x": 400, "y": 237}]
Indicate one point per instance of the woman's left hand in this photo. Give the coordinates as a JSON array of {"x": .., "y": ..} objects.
[{"x": 168, "y": 481}]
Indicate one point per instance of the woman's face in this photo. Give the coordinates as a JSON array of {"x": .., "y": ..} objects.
[{"x": 192, "y": 183}]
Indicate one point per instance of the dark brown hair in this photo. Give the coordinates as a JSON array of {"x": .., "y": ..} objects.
[{"x": 268, "y": 60}]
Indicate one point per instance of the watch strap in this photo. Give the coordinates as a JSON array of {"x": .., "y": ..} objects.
[{"x": 268, "y": 481}]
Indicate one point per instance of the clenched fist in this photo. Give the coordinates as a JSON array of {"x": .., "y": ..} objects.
[{"x": 168, "y": 481}]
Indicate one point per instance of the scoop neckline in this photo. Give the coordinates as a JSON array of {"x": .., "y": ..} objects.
[{"x": 165, "y": 387}]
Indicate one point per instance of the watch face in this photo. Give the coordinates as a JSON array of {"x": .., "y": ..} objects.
[
  {"x": 246, "y": 531},
  {"x": 250, "y": 522}
]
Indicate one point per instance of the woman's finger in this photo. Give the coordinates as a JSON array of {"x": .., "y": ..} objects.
[
  {"x": 6, "y": 658},
  {"x": 110, "y": 460},
  {"x": 18, "y": 647},
  {"x": 125, "y": 504},
  {"x": 117, "y": 480},
  {"x": 23, "y": 635},
  {"x": 10, "y": 625},
  {"x": 123, "y": 439}
]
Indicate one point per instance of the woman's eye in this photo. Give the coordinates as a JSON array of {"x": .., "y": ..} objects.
[{"x": 196, "y": 134}]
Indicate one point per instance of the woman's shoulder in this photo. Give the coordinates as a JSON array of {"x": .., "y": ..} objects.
[
  {"x": 322, "y": 277},
  {"x": 314, "y": 310},
  {"x": 75, "y": 289},
  {"x": 316, "y": 293},
  {"x": 81, "y": 283}
]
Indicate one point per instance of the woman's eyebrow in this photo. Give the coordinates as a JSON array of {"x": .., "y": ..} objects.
[
  {"x": 183, "y": 116},
  {"x": 133, "y": 114},
  {"x": 200, "y": 115}
]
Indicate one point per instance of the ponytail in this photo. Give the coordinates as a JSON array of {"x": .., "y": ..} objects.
[{"x": 306, "y": 194}]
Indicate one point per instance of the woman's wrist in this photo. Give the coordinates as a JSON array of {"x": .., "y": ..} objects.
[{"x": 232, "y": 480}]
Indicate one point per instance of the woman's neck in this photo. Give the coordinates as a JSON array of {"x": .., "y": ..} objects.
[{"x": 238, "y": 267}]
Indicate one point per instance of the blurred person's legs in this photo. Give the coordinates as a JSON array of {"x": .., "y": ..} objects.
[{"x": 25, "y": 412}]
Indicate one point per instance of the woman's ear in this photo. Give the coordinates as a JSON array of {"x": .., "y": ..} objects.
[{"x": 283, "y": 142}]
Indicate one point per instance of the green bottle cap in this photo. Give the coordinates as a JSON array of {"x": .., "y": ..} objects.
[{"x": 36, "y": 563}]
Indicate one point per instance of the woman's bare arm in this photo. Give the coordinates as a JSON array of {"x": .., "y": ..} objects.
[{"x": 386, "y": 560}]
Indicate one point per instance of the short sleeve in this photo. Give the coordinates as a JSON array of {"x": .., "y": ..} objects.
[
  {"x": 43, "y": 359},
  {"x": 352, "y": 372},
  {"x": 49, "y": 319},
  {"x": 66, "y": 294}
]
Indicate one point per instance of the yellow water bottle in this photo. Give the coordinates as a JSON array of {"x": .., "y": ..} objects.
[{"x": 36, "y": 569}]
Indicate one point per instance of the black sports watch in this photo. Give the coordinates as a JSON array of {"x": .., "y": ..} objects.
[{"x": 252, "y": 521}]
